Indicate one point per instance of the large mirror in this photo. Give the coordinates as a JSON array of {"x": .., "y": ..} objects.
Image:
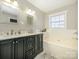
[{"x": 8, "y": 13}]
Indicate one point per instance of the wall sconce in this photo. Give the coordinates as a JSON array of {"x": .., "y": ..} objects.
[{"x": 30, "y": 12}]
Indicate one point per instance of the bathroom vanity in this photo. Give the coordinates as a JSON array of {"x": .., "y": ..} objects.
[{"x": 23, "y": 47}]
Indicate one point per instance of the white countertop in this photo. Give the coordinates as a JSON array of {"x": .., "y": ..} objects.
[{"x": 15, "y": 36}]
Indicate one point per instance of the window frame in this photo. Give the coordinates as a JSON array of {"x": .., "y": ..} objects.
[{"x": 56, "y": 14}]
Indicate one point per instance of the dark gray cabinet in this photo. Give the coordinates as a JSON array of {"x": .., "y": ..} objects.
[
  {"x": 22, "y": 47},
  {"x": 18, "y": 48},
  {"x": 6, "y": 49},
  {"x": 29, "y": 47},
  {"x": 38, "y": 43}
]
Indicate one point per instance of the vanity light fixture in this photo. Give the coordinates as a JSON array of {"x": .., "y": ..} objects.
[
  {"x": 10, "y": 0},
  {"x": 30, "y": 12},
  {"x": 9, "y": 8},
  {"x": 10, "y": 3}
]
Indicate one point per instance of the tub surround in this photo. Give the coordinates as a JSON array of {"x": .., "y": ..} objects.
[
  {"x": 60, "y": 44},
  {"x": 59, "y": 51},
  {"x": 71, "y": 47}
]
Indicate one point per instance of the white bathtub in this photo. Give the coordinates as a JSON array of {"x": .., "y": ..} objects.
[
  {"x": 59, "y": 52},
  {"x": 60, "y": 45},
  {"x": 53, "y": 51}
]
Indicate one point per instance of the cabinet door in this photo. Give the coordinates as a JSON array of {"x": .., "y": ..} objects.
[
  {"x": 18, "y": 48},
  {"x": 38, "y": 43},
  {"x": 6, "y": 49},
  {"x": 29, "y": 43},
  {"x": 29, "y": 47},
  {"x": 41, "y": 42}
]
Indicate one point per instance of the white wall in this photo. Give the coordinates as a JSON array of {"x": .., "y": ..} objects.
[
  {"x": 66, "y": 38},
  {"x": 23, "y": 5},
  {"x": 72, "y": 16}
]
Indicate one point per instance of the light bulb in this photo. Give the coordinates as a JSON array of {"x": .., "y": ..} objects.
[
  {"x": 8, "y": 1},
  {"x": 30, "y": 12},
  {"x": 15, "y": 3}
]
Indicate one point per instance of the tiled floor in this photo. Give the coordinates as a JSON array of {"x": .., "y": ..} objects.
[{"x": 44, "y": 56}]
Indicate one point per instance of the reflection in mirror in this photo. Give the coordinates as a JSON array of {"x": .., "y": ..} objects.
[
  {"x": 5, "y": 18},
  {"x": 8, "y": 12},
  {"x": 29, "y": 20}
]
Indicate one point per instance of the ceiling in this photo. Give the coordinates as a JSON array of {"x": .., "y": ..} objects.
[{"x": 50, "y": 5}]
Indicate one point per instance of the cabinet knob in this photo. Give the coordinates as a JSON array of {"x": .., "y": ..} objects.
[
  {"x": 16, "y": 41},
  {"x": 13, "y": 42}
]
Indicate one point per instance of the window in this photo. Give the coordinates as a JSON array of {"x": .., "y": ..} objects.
[{"x": 57, "y": 20}]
